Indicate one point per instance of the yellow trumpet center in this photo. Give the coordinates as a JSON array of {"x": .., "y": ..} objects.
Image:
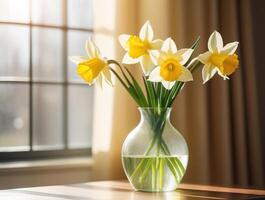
[
  {"x": 170, "y": 69},
  {"x": 230, "y": 64},
  {"x": 90, "y": 69},
  {"x": 137, "y": 47},
  {"x": 227, "y": 64}
]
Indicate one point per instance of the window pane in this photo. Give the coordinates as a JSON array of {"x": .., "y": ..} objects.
[
  {"x": 14, "y": 117},
  {"x": 80, "y": 13},
  {"x": 47, "y": 12},
  {"x": 76, "y": 46},
  {"x": 14, "y": 51},
  {"x": 80, "y": 105},
  {"x": 47, "y": 54},
  {"x": 47, "y": 117},
  {"x": 14, "y": 10}
]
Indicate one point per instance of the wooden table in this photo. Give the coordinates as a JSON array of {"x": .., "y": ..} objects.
[{"x": 121, "y": 190}]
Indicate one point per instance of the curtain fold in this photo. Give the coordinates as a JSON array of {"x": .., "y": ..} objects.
[{"x": 219, "y": 120}]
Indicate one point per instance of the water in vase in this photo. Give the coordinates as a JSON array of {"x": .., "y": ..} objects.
[{"x": 155, "y": 173}]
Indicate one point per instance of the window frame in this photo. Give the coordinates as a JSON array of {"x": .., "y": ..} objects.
[{"x": 66, "y": 152}]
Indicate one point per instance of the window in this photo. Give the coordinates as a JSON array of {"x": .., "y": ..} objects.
[{"x": 45, "y": 109}]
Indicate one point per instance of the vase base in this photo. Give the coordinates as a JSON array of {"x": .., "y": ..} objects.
[{"x": 154, "y": 191}]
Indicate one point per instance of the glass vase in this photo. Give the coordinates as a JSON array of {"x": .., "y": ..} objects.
[{"x": 154, "y": 154}]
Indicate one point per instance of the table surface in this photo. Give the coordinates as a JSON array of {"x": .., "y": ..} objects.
[{"x": 121, "y": 190}]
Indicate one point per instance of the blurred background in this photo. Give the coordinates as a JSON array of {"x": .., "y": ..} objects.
[{"x": 48, "y": 113}]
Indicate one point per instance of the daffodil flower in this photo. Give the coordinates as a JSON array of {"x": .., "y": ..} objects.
[
  {"x": 219, "y": 59},
  {"x": 92, "y": 68},
  {"x": 170, "y": 65},
  {"x": 139, "y": 48}
]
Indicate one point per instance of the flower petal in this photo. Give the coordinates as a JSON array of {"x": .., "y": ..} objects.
[
  {"x": 203, "y": 58},
  {"x": 99, "y": 81},
  {"x": 90, "y": 48},
  {"x": 185, "y": 76},
  {"x": 169, "y": 46},
  {"x": 223, "y": 76},
  {"x": 129, "y": 60},
  {"x": 156, "y": 44},
  {"x": 123, "y": 40},
  {"x": 147, "y": 64},
  {"x": 146, "y": 32},
  {"x": 168, "y": 84},
  {"x": 107, "y": 75},
  {"x": 192, "y": 62},
  {"x": 215, "y": 42},
  {"x": 154, "y": 55},
  {"x": 208, "y": 71},
  {"x": 162, "y": 57},
  {"x": 78, "y": 59},
  {"x": 184, "y": 55},
  {"x": 155, "y": 75},
  {"x": 230, "y": 48}
]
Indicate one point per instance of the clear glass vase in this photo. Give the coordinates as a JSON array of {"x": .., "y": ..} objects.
[{"x": 154, "y": 154}]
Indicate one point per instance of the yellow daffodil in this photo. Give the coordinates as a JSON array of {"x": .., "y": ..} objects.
[
  {"x": 92, "y": 68},
  {"x": 170, "y": 62},
  {"x": 219, "y": 59},
  {"x": 139, "y": 47}
]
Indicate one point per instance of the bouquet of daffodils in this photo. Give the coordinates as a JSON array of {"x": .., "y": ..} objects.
[{"x": 165, "y": 67}]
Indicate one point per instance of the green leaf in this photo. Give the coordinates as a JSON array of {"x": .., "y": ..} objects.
[
  {"x": 179, "y": 164},
  {"x": 150, "y": 92},
  {"x": 161, "y": 173},
  {"x": 172, "y": 169},
  {"x": 131, "y": 86},
  {"x": 147, "y": 93},
  {"x": 195, "y": 44},
  {"x": 138, "y": 89}
]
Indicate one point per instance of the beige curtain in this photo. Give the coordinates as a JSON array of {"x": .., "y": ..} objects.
[{"x": 218, "y": 120}]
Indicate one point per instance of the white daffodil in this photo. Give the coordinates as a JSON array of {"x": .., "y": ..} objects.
[
  {"x": 170, "y": 65},
  {"x": 92, "y": 68},
  {"x": 139, "y": 48},
  {"x": 219, "y": 59}
]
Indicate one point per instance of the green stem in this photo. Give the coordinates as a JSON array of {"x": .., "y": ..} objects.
[
  {"x": 132, "y": 86},
  {"x": 142, "y": 162},
  {"x": 161, "y": 173},
  {"x": 157, "y": 127},
  {"x": 180, "y": 85},
  {"x": 150, "y": 92},
  {"x": 153, "y": 175},
  {"x": 126, "y": 87},
  {"x": 146, "y": 169},
  {"x": 176, "y": 163}
]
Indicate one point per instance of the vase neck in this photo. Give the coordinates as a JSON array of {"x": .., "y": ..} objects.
[{"x": 147, "y": 113}]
